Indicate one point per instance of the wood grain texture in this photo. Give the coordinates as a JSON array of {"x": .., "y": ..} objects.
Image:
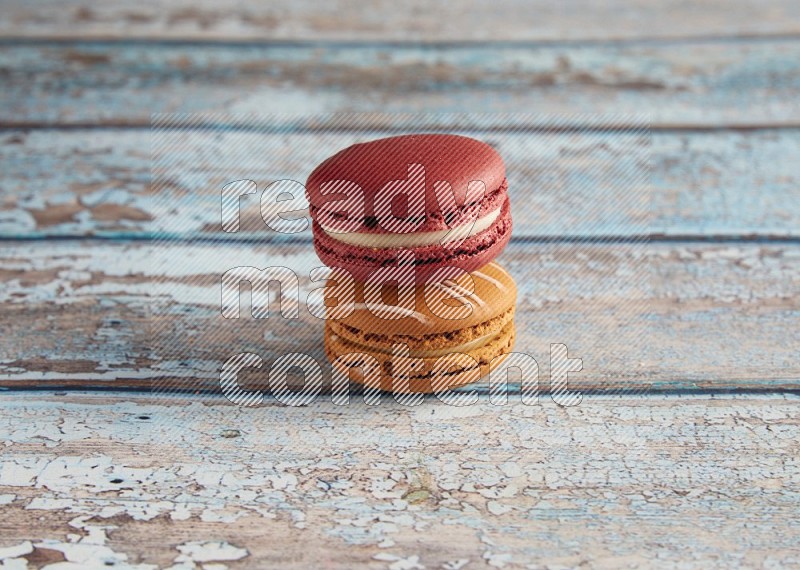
[
  {"x": 659, "y": 317},
  {"x": 98, "y": 182},
  {"x": 683, "y": 84},
  {"x": 674, "y": 481},
  {"x": 128, "y": 479},
  {"x": 412, "y": 21}
]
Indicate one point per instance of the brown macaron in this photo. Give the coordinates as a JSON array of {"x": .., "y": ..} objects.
[{"x": 452, "y": 334}]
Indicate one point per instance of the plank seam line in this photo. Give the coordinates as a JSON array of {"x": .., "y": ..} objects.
[
  {"x": 164, "y": 42},
  {"x": 766, "y": 239},
  {"x": 513, "y": 391},
  {"x": 290, "y": 129}
]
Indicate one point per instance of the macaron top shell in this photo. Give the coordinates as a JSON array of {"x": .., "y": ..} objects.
[
  {"x": 422, "y": 161},
  {"x": 494, "y": 294}
]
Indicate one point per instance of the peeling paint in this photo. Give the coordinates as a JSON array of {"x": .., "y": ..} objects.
[
  {"x": 496, "y": 486},
  {"x": 95, "y": 310},
  {"x": 209, "y": 552}
]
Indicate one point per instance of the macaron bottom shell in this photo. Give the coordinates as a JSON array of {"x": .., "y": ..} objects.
[
  {"x": 488, "y": 356},
  {"x": 469, "y": 255}
]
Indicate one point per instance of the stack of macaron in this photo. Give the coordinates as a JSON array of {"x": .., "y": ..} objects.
[{"x": 411, "y": 225}]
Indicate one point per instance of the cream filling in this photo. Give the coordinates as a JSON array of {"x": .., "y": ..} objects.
[
  {"x": 465, "y": 347},
  {"x": 418, "y": 239}
]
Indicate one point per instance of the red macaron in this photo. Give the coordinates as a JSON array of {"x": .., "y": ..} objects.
[{"x": 430, "y": 200}]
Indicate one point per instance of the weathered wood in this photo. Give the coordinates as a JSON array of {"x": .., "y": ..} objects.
[
  {"x": 97, "y": 182},
  {"x": 131, "y": 480},
  {"x": 414, "y": 21},
  {"x": 682, "y": 84},
  {"x": 125, "y": 479},
  {"x": 675, "y": 316}
]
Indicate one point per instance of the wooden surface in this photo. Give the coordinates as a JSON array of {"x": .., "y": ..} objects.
[
  {"x": 675, "y": 481},
  {"x": 680, "y": 85},
  {"x": 686, "y": 312},
  {"x": 95, "y": 182},
  {"x": 636, "y": 315},
  {"x": 345, "y": 20}
]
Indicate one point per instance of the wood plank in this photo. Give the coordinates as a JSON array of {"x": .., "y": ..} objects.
[
  {"x": 97, "y": 182},
  {"x": 523, "y": 20},
  {"x": 725, "y": 83},
  {"x": 670, "y": 481},
  {"x": 658, "y": 317}
]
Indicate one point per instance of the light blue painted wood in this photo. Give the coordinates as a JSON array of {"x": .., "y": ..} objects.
[
  {"x": 418, "y": 21},
  {"x": 689, "y": 83},
  {"x": 711, "y": 184},
  {"x": 686, "y": 481},
  {"x": 664, "y": 317}
]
